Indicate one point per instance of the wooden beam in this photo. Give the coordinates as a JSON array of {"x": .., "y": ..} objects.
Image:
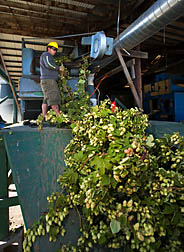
[
  {"x": 11, "y": 41},
  {"x": 167, "y": 35},
  {"x": 39, "y": 31},
  {"x": 56, "y": 27},
  {"x": 95, "y": 2},
  {"x": 174, "y": 30},
  {"x": 99, "y": 64},
  {"x": 15, "y": 75},
  {"x": 116, "y": 70},
  {"x": 48, "y": 7},
  {"x": 158, "y": 41},
  {"x": 11, "y": 55},
  {"x": 177, "y": 23},
  {"x": 140, "y": 10},
  {"x": 10, "y": 48},
  {"x": 29, "y": 42},
  {"x": 13, "y": 61},
  {"x": 93, "y": 13},
  {"x": 135, "y": 54},
  {"x": 42, "y": 9},
  {"x": 13, "y": 66},
  {"x": 38, "y": 17},
  {"x": 14, "y": 71},
  {"x": 125, "y": 12},
  {"x": 128, "y": 77}
]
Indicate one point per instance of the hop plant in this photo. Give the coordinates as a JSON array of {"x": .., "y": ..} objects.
[
  {"x": 128, "y": 186},
  {"x": 74, "y": 104}
]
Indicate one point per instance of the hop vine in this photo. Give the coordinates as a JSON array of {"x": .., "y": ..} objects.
[
  {"x": 126, "y": 186},
  {"x": 74, "y": 104}
]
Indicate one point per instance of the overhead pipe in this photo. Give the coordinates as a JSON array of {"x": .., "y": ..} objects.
[
  {"x": 160, "y": 14},
  {"x": 150, "y": 22}
]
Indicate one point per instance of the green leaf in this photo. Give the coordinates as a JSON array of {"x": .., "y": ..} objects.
[
  {"x": 149, "y": 202},
  {"x": 169, "y": 209},
  {"x": 115, "y": 226},
  {"x": 123, "y": 220},
  {"x": 96, "y": 162},
  {"x": 102, "y": 239},
  {"x": 74, "y": 178},
  {"x": 79, "y": 156},
  {"x": 114, "y": 183},
  {"x": 156, "y": 245},
  {"x": 81, "y": 81},
  {"x": 73, "y": 125},
  {"x": 101, "y": 164},
  {"x": 95, "y": 109},
  {"x": 176, "y": 218},
  {"x": 107, "y": 164},
  {"x": 102, "y": 170},
  {"x": 106, "y": 180},
  {"x": 59, "y": 120}
]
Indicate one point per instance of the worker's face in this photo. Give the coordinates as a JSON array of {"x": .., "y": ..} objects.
[{"x": 52, "y": 50}]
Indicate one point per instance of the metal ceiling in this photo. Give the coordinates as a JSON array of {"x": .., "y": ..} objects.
[{"x": 51, "y": 18}]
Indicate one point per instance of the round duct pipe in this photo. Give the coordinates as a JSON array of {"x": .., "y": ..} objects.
[{"x": 151, "y": 21}]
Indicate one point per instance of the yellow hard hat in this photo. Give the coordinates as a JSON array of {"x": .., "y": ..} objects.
[{"x": 54, "y": 44}]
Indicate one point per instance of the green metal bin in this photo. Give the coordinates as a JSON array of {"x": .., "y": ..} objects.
[{"x": 36, "y": 159}]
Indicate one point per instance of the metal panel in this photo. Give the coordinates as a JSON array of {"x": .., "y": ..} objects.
[
  {"x": 27, "y": 59},
  {"x": 36, "y": 160},
  {"x": 5, "y": 90},
  {"x": 30, "y": 88},
  {"x": 179, "y": 106},
  {"x": 4, "y": 213},
  {"x": 159, "y": 128}
]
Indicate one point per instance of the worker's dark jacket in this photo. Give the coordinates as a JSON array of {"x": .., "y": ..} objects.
[{"x": 48, "y": 67}]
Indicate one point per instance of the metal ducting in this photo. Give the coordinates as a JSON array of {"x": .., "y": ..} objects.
[{"x": 154, "y": 19}]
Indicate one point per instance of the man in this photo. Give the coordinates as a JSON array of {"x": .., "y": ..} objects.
[{"x": 49, "y": 76}]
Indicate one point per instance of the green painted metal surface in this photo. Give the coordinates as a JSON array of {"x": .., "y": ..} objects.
[
  {"x": 4, "y": 213},
  {"x": 36, "y": 159},
  {"x": 159, "y": 128}
]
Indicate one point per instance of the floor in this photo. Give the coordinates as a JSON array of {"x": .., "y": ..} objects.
[
  {"x": 16, "y": 221},
  {"x": 15, "y": 214}
]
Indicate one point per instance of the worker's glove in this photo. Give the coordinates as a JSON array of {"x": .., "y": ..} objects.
[{"x": 61, "y": 69}]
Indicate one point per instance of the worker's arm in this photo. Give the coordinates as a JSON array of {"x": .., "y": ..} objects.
[{"x": 49, "y": 62}]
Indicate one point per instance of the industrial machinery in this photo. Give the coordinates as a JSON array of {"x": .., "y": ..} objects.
[
  {"x": 30, "y": 91},
  {"x": 8, "y": 108},
  {"x": 37, "y": 158},
  {"x": 164, "y": 98},
  {"x": 160, "y": 14}
]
